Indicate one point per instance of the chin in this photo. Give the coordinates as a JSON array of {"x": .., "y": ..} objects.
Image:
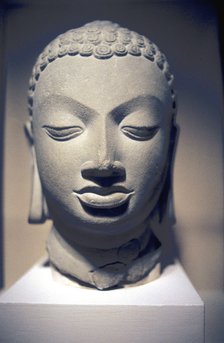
[{"x": 116, "y": 220}]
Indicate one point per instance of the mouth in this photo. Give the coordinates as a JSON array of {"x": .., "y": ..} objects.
[{"x": 104, "y": 198}]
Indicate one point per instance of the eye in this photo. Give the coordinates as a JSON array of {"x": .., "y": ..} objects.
[
  {"x": 140, "y": 133},
  {"x": 63, "y": 133}
]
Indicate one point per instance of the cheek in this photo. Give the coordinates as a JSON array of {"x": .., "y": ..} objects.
[
  {"x": 145, "y": 161},
  {"x": 59, "y": 163}
]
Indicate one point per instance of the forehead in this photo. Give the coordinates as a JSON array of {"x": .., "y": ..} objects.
[{"x": 101, "y": 84}]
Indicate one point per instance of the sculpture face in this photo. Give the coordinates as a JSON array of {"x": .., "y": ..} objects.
[{"x": 101, "y": 134}]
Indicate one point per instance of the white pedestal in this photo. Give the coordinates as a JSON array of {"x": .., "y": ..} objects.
[{"x": 39, "y": 310}]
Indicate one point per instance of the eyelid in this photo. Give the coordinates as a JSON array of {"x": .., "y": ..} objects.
[
  {"x": 63, "y": 133},
  {"x": 142, "y": 116},
  {"x": 140, "y": 133}
]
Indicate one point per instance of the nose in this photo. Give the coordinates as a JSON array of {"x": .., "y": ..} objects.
[
  {"x": 104, "y": 174},
  {"x": 102, "y": 168},
  {"x": 105, "y": 169}
]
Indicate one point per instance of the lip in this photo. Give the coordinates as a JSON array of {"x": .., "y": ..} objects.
[{"x": 105, "y": 198}]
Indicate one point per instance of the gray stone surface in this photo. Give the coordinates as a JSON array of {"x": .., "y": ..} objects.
[{"x": 101, "y": 132}]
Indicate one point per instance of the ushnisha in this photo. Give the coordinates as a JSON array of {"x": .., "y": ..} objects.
[{"x": 102, "y": 132}]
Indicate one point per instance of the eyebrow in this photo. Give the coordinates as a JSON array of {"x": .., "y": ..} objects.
[
  {"x": 123, "y": 110},
  {"x": 82, "y": 111},
  {"x": 118, "y": 113}
]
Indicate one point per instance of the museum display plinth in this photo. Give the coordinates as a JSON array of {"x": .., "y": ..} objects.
[{"x": 39, "y": 309}]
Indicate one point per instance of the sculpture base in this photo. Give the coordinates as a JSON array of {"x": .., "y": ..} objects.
[{"x": 38, "y": 309}]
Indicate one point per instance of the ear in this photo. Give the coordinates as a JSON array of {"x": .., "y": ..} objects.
[
  {"x": 165, "y": 203},
  {"x": 38, "y": 207}
]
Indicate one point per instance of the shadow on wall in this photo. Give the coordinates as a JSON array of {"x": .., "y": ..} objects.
[{"x": 2, "y": 119}]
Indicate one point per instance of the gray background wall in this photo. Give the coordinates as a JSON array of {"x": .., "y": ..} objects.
[{"x": 187, "y": 33}]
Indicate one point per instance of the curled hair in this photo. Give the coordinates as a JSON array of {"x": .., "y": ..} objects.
[{"x": 101, "y": 39}]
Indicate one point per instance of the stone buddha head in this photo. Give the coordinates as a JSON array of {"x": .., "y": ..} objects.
[{"x": 101, "y": 130}]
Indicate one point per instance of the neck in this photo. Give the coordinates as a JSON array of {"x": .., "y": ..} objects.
[
  {"x": 105, "y": 268},
  {"x": 100, "y": 237}
]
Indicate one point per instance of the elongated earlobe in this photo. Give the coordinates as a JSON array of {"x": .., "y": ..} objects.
[
  {"x": 38, "y": 207},
  {"x": 165, "y": 203}
]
